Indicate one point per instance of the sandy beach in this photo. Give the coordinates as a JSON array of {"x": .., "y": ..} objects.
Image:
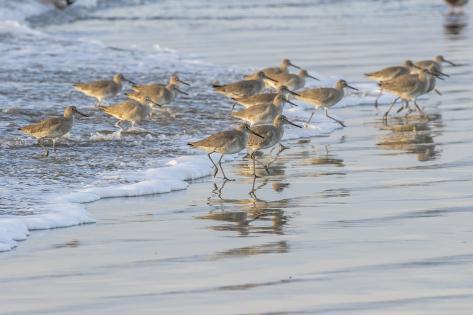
[{"x": 374, "y": 218}]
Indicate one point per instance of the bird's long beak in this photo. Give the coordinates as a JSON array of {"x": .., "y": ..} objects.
[
  {"x": 82, "y": 114},
  {"x": 293, "y": 93},
  {"x": 154, "y": 103},
  {"x": 180, "y": 91},
  {"x": 437, "y": 73},
  {"x": 312, "y": 77},
  {"x": 289, "y": 102},
  {"x": 255, "y": 133},
  {"x": 450, "y": 62},
  {"x": 271, "y": 79},
  {"x": 129, "y": 81},
  {"x": 353, "y": 88},
  {"x": 293, "y": 65},
  {"x": 185, "y": 83},
  {"x": 291, "y": 123}
]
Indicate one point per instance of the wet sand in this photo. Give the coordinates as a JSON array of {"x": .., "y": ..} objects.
[{"x": 374, "y": 219}]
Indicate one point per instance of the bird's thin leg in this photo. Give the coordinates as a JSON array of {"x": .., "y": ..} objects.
[
  {"x": 54, "y": 145},
  {"x": 253, "y": 157},
  {"x": 326, "y": 114},
  {"x": 281, "y": 148},
  {"x": 377, "y": 98},
  {"x": 438, "y": 92},
  {"x": 41, "y": 144},
  {"x": 215, "y": 165},
  {"x": 418, "y": 107},
  {"x": 310, "y": 118},
  {"x": 390, "y": 107},
  {"x": 118, "y": 125},
  {"x": 221, "y": 167},
  {"x": 403, "y": 107}
]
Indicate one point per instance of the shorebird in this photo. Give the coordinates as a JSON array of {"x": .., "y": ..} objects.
[
  {"x": 436, "y": 61},
  {"x": 243, "y": 88},
  {"x": 456, "y": 4},
  {"x": 390, "y": 73},
  {"x": 431, "y": 76},
  {"x": 271, "y": 135},
  {"x": 263, "y": 113},
  {"x": 102, "y": 89},
  {"x": 130, "y": 110},
  {"x": 264, "y": 98},
  {"x": 158, "y": 93},
  {"x": 407, "y": 87},
  {"x": 59, "y": 4},
  {"x": 325, "y": 98},
  {"x": 225, "y": 142},
  {"x": 294, "y": 82},
  {"x": 52, "y": 128},
  {"x": 272, "y": 71}
]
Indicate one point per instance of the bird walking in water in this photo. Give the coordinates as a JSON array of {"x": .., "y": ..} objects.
[
  {"x": 130, "y": 110},
  {"x": 52, "y": 128},
  {"x": 283, "y": 68},
  {"x": 325, "y": 98},
  {"x": 293, "y": 82},
  {"x": 263, "y": 98},
  {"x": 437, "y": 61},
  {"x": 243, "y": 88},
  {"x": 456, "y": 4},
  {"x": 157, "y": 93},
  {"x": 271, "y": 135},
  {"x": 390, "y": 73},
  {"x": 263, "y": 113},
  {"x": 407, "y": 88},
  {"x": 102, "y": 89},
  {"x": 225, "y": 142}
]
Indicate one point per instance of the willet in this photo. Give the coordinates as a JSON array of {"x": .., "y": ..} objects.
[
  {"x": 456, "y": 4},
  {"x": 271, "y": 71},
  {"x": 436, "y": 61},
  {"x": 174, "y": 79},
  {"x": 59, "y": 4},
  {"x": 161, "y": 94},
  {"x": 263, "y": 113},
  {"x": 294, "y": 82},
  {"x": 52, "y": 128},
  {"x": 407, "y": 87},
  {"x": 225, "y": 142},
  {"x": 271, "y": 135},
  {"x": 102, "y": 89},
  {"x": 243, "y": 88},
  {"x": 390, "y": 73},
  {"x": 264, "y": 98},
  {"x": 130, "y": 110},
  {"x": 325, "y": 98}
]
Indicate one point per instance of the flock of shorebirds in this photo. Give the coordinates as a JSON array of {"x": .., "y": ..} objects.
[{"x": 262, "y": 94}]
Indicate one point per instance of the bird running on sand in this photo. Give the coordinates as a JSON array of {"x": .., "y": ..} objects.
[
  {"x": 130, "y": 110},
  {"x": 271, "y": 135},
  {"x": 52, "y": 128},
  {"x": 263, "y": 113},
  {"x": 407, "y": 88},
  {"x": 325, "y": 97},
  {"x": 390, "y": 73},
  {"x": 225, "y": 142},
  {"x": 102, "y": 89},
  {"x": 243, "y": 88},
  {"x": 293, "y": 82}
]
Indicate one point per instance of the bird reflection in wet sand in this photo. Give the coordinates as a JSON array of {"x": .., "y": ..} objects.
[
  {"x": 241, "y": 215},
  {"x": 412, "y": 136}
]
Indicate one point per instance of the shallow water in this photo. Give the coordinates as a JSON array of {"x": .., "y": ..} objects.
[{"x": 374, "y": 218}]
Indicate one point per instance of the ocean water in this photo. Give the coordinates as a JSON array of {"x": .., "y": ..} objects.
[{"x": 42, "y": 58}]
